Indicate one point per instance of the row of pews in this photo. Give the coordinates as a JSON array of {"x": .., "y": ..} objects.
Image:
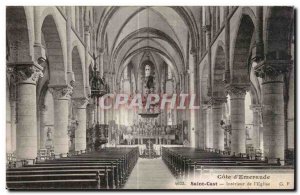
[
  {"x": 189, "y": 163},
  {"x": 108, "y": 168}
]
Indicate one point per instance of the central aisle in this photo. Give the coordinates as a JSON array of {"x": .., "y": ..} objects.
[{"x": 150, "y": 174}]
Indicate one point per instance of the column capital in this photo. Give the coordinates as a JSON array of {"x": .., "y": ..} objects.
[
  {"x": 217, "y": 101},
  {"x": 25, "y": 72},
  {"x": 80, "y": 103},
  {"x": 61, "y": 91},
  {"x": 236, "y": 91},
  {"x": 272, "y": 70}
]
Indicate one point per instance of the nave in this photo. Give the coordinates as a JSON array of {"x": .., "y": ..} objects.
[
  {"x": 150, "y": 174},
  {"x": 121, "y": 168},
  {"x": 195, "y": 89}
]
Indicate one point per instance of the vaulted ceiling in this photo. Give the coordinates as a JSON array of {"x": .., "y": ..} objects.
[{"x": 128, "y": 33}]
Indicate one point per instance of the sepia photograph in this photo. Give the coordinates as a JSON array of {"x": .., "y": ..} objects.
[{"x": 150, "y": 98}]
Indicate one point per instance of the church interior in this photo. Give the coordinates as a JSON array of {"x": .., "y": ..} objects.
[{"x": 62, "y": 61}]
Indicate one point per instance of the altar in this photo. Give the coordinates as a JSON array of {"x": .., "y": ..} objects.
[
  {"x": 149, "y": 127},
  {"x": 156, "y": 147}
]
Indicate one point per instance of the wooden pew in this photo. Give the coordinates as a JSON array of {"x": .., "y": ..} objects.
[
  {"x": 107, "y": 169},
  {"x": 106, "y": 173},
  {"x": 54, "y": 184},
  {"x": 184, "y": 162}
]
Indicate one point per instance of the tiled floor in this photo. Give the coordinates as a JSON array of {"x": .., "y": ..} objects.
[{"x": 150, "y": 174}]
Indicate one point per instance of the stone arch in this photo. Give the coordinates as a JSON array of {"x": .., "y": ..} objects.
[
  {"x": 249, "y": 12},
  {"x": 241, "y": 51},
  {"x": 126, "y": 60},
  {"x": 137, "y": 12},
  {"x": 54, "y": 50},
  {"x": 181, "y": 11},
  {"x": 17, "y": 32},
  {"x": 152, "y": 31},
  {"x": 79, "y": 87},
  {"x": 218, "y": 87}
]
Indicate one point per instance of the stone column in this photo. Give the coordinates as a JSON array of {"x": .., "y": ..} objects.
[
  {"x": 43, "y": 110},
  {"x": 218, "y": 132},
  {"x": 70, "y": 73},
  {"x": 87, "y": 57},
  {"x": 201, "y": 130},
  {"x": 13, "y": 108},
  {"x": 61, "y": 95},
  {"x": 207, "y": 29},
  {"x": 8, "y": 123},
  {"x": 27, "y": 75},
  {"x": 80, "y": 132},
  {"x": 209, "y": 129},
  {"x": 87, "y": 37},
  {"x": 13, "y": 127},
  {"x": 259, "y": 29},
  {"x": 38, "y": 48},
  {"x": 261, "y": 139},
  {"x": 77, "y": 18},
  {"x": 204, "y": 123},
  {"x": 201, "y": 32},
  {"x": 101, "y": 61},
  {"x": 272, "y": 73},
  {"x": 256, "y": 125},
  {"x": 192, "y": 90},
  {"x": 226, "y": 77},
  {"x": 91, "y": 115},
  {"x": 237, "y": 107}
]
